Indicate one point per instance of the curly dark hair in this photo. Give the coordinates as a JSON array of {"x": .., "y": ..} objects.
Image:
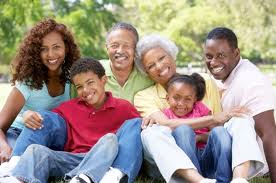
[
  {"x": 83, "y": 65},
  {"x": 194, "y": 80},
  {"x": 28, "y": 63}
]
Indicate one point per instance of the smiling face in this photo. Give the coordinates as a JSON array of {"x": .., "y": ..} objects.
[
  {"x": 220, "y": 58},
  {"x": 121, "y": 49},
  {"x": 53, "y": 51},
  {"x": 159, "y": 65},
  {"x": 90, "y": 88},
  {"x": 181, "y": 98}
]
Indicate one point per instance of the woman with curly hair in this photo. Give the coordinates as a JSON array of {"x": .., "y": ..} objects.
[{"x": 40, "y": 79}]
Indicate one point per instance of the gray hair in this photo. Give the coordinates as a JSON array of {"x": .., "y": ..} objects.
[
  {"x": 125, "y": 26},
  {"x": 149, "y": 42}
]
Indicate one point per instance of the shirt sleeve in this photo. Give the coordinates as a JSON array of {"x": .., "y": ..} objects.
[
  {"x": 212, "y": 97},
  {"x": 24, "y": 89},
  {"x": 59, "y": 110},
  {"x": 259, "y": 98},
  {"x": 145, "y": 104}
]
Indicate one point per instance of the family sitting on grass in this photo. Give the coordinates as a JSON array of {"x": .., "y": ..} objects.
[{"x": 98, "y": 121}]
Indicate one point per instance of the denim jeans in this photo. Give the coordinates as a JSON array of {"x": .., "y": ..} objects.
[
  {"x": 39, "y": 162},
  {"x": 130, "y": 155},
  {"x": 214, "y": 160},
  {"x": 129, "y": 158},
  {"x": 12, "y": 135},
  {"x": 52, "y": 135},
  {"x": 162, "y": 155}
]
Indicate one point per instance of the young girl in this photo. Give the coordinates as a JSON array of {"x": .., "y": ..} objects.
[
  {"x": 210, "y": 151},
  {"x": 41, "y": 79}
]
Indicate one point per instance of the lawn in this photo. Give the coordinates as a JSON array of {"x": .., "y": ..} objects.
[
  {"x": 4, "y": 90},
  {"x": 145, "y": 180}
]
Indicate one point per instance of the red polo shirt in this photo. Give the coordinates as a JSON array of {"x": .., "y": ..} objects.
[{"x": 85, "y": 125}]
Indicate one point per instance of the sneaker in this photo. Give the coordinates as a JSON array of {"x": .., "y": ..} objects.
[
  {"x": 9, "y": 179},
  {"x": 208, "y": 180},
  {"x": 7, "y": 167},
  {"x": 80, "y": 179},
  {"x": 113, "y": 175},
  {"x": 239, "y": 180}
]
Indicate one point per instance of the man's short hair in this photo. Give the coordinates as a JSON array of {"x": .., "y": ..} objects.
[
  {"x": 125, "y": 26},
  {"x": 224, "y": 33},
  {"x": 84, "y": 65}
]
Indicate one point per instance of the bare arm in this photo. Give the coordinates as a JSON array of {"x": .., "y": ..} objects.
[
  {"x": 195, "y": 123},
  {"x": 10, "y": 110},
  {"x": 266, "y": 129},
  {"x": 160, "y": 118}
]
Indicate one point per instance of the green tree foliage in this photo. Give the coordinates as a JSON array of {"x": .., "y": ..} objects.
[
  {"x": 87, "y": 19},
  {"x": 14, "y": 18},
  {"x": 188, "y": 22}
]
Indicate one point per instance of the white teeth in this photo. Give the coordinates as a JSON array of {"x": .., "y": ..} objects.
[
  {"x": 217, "y": 69},
  {"x": 53, "y": 61},
  {"x": 120, "y": 57}
]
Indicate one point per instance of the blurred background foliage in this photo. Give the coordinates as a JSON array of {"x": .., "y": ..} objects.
[{"x": 186, "y": 22}]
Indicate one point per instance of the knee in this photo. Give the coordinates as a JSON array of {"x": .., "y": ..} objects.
[
  {"x": 52, "y": 120},
  {"x": 111, "y": 140},
  {"x": 221, "y": 137},
  {"x": 149, "y": 135},
  {"x": 146, "y": 133},
  {"x": 36, "y": 149},
  {"x": 242, "y": 123},
  {"x": 134, "y": 123},
  {"x": 184, "y": 132},
  {"x": 45, "y": 113}
]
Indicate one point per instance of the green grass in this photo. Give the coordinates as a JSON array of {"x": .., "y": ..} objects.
[{"x": 147, "y": 180}]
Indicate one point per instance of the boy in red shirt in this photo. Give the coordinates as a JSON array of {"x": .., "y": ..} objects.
[{"x": 87, "y": 155}]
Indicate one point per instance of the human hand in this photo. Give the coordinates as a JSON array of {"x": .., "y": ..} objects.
[
  {"x": 148, "y": 121},
  {"x": 222, "y": 117},
  {"x": 5, "y": 153},
  {"x": 32, "y": 120}
]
